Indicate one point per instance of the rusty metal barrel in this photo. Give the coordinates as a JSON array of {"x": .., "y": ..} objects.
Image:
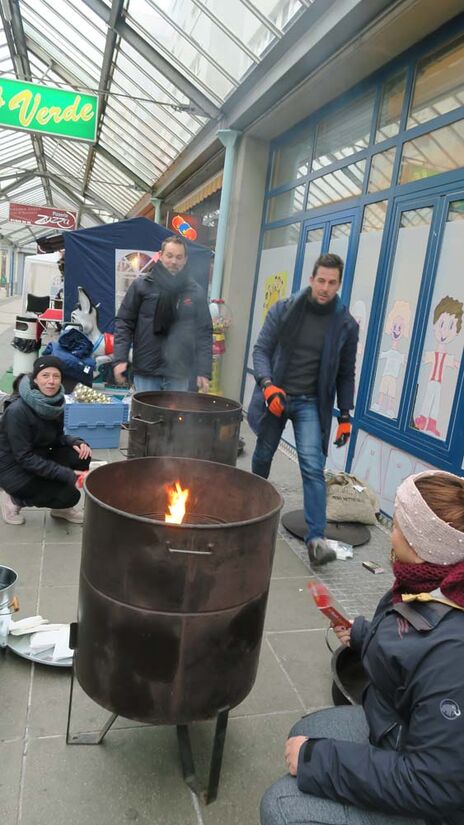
[
  {"x": 171, "y": 617},
  {"x": 187, "y": 424}
]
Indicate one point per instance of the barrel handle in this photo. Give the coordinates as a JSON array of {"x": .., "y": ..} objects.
[
  {"x": 148, "y": 423},
  {"x": 206, "y": 552},
  {"x": 12, "y": 607}
]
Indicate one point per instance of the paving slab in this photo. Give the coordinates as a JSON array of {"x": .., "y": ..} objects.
[
  {"x": 253, "y": 759},
  {"x": 11, "y": 758},
  {"x": 272, "y": 691},
  {"x": 15, "y": 677},
  {"x": 25, "y": 559},
  {"x": 304, "y": 656},
  {"x": 290, "y": 606},
  {"x": 58, "y": 604},
  {"x": 133, "y": 777},
  {"x": 61, "y": 563}
]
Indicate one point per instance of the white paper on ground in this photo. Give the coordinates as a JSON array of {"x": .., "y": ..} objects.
[
  {"x": 342, "y": 551},
  {"x": 62, "y": 649},
  {"x": 20, "y": 627},
  {"x": 42, "y": 641}
]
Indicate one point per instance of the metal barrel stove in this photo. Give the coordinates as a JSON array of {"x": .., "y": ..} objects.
[
  {"x": 171, "y": 617},
  {"x": 188, "y": 424}
]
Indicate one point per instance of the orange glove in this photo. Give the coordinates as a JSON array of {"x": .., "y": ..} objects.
[
  {"x": 343, "y": 430},
  {"x": 275, "y": 399},
  {"x": 80, "y": 479}
]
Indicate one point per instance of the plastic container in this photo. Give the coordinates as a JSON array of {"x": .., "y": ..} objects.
[{"x": 98, "y": 424}]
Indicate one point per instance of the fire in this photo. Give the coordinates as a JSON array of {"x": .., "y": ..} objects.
[{"x": 177, "y": 498}]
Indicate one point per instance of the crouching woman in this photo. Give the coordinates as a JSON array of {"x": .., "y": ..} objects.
[{"x": 39, "y": 464}]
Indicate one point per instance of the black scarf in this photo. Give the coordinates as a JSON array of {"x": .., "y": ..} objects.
[
  {"x": 292, "y": 322},
  {"x": 170, "y": 287}
]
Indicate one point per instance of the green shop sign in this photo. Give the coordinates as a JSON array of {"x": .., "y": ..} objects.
[{"x": 47, "y": 111}]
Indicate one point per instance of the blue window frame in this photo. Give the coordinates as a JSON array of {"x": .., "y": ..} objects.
[{"x": 390, "y": 130}]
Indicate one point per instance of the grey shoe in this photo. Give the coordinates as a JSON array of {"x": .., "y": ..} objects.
[
  {"x": 319, "y": 552},
  {"x": 11, "y": 512},
  {"x": 69, "y": 514}
]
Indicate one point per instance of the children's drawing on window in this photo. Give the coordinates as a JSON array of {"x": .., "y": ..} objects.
[
  {"x": 359, "y": 313},
  {"x": 275, "y": 288},
  {"x": 397, "y": 327},
  {"x": 430, "y": 413}
]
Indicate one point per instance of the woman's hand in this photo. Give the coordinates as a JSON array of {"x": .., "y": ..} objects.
[
  {"x": 292, "y": 751},
  {"x": 343, "y": 634},
  {"x": 83, "y": 450},
  {"x": 80, "y": 476}
]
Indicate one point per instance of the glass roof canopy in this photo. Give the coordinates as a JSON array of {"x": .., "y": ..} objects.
[{"x": 162, "y": 68}]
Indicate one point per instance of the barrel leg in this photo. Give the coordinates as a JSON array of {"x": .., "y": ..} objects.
[
  {"x": 91, "y": 738},
  {"x": 208, "y": 794}
]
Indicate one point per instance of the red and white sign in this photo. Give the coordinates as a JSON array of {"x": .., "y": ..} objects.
[{"x": 43, "y": 216}]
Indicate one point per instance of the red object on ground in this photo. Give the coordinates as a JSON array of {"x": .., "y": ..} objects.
[{"x": 323, "y": 601}]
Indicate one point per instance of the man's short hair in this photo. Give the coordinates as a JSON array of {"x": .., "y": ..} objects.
[
  {"x": 174, "y": 239},
  {"x": 331, "y": 261}
]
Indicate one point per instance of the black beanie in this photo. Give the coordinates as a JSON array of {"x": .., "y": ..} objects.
[{"x": 44, "y": 362}]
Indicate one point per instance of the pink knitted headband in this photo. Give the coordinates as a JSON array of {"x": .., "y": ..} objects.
[{"x": 433, "y": 540}]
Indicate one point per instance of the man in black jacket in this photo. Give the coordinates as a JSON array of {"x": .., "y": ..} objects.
[
  {"x": 165, "y": 318},
  {"x": 304, "y": 356}
]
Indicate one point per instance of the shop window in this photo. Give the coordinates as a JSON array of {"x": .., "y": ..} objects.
[
  {"x": 312, "y": 250},
  {"x": 367, "y": 260},
  {"x": 275, "y": 275},
  {"x": 380, "y": 176},
  {"x": 443, "y": 344},
  {"x": 439, "y": 84},
  {"x": 388, "y": 122},
  {"x": 339, "y": 239},
  {"x": 439, "y": 151},
  {"x": 286, "y": 204},
  {"x": 411, "y": 248},
  {"x": 293, "y": 159},
  {"x": 337, "y": 186},
  {"x": 344, "y": 132}
]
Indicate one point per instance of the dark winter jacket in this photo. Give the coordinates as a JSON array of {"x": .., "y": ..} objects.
[
  {"x": 187, "y": 344},
  {"x": 414, "y": 704},
  {"x": 271, "y": 356},
  {"x": 24, "y": 441}
]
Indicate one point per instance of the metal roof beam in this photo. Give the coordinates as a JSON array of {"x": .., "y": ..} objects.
[
  {"x": 106, "y": 74},
  {"x": 23, "y": 71},
  {"x": 122, "y": 167},
  {"x": 101, "y": 203},
  {"x": 158, "y": 61}
]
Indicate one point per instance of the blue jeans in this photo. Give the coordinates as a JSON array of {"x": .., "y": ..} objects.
[
  {"x": 154, "y": 383},
  {"x": 302, "y": 412}
]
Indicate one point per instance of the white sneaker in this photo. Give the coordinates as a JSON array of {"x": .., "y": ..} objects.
[
  {"x": 11, "y": 513},
  {"x": 69, "y": 514}
]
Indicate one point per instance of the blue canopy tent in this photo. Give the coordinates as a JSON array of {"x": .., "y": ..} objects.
[{"x": 91, "y": 256}]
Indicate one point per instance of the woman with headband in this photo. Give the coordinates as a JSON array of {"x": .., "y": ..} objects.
[{"x": 400, "y": 758}]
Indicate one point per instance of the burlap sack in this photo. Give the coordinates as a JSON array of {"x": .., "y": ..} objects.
[{"x": 349, "y": 499}]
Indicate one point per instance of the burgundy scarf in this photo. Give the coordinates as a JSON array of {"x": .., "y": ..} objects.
[{"x": 423, "y": 578}]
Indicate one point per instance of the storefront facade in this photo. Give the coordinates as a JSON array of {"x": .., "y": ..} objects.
[{"x": 377, "y": 176}]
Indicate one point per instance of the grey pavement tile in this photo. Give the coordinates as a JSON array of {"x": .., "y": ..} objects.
[
  {"x": 286, "y": 563},
  {"x": 28, "y": 599},
  {"x": 271, "y": 692},
  {"x": 133, "y": 777},
  {"x": 15, "y": 675},
  {"x": 11, "y": 755},
  {"x": 61, "y": 564},
  {"x": 253, "y": 759},
  {"x": 25, "y": 559},
  {"x": 58, "y": 604},
  {"x": 59, "y": 531},
  {"x": 306, "y": 659},
  {"x": 290, "y": 607},
  {"x": 31, "y": 531},
  {"x": 50, "y": 701}
]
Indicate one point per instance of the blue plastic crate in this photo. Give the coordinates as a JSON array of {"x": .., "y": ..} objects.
[{"x": 98, "y": 424}]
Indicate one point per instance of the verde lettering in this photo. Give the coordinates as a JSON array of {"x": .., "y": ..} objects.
[{"x": 44, "y": 109}]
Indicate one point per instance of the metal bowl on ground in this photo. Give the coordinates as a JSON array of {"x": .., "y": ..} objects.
[{"x": 349, "y": 677}]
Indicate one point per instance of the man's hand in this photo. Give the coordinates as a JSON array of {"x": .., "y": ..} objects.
[
  {"x": 343, "y": 430},
  {"x": 202, "y": 383},
  {"x": 118, "y": 371},
  {"x": 275, "y": 399},
  {"x": 292, "y": 750},
  {"x": 83, "y": 450}
]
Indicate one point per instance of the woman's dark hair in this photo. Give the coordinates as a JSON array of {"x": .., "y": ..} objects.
[{"x": 445, "y": 496}]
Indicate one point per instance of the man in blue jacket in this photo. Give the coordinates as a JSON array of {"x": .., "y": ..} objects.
[{"x": 304, "y": 355}]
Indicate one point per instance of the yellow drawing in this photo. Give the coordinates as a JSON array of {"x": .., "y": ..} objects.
[{"x": 275, "y": 288}]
